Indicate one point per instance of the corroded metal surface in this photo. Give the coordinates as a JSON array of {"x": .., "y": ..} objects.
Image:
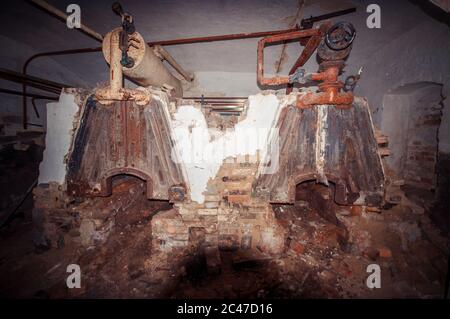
[
  {"x": 278, "y": 80},
  {"x": 148, "y": 70},
  {"x": 332, "y": 62},
  {"x": 123, "y": 138},
  {"x": 310, "y": 46},
  {"x": 329, "y": 88},
  {"x": 330, "y": 146}
]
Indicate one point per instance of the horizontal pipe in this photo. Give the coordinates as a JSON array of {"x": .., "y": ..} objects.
[
  {"x": 225, "y": 37},
  {"x": 233, "y": 105},
  {"x": 32, "y": 84},
  {"x": 311, "y": 20},
  {"x": 234, "y": 111},
  {"x": 49, "y": 8},
  {"x": 24, "y": 73},
  {"x": 220, "y": 103},
  {"x": 214, "y": 98},
  {"x": 36, "y": 96},
  {"x": 279, "y": 80},
  {"x": 29, "y": 78}
]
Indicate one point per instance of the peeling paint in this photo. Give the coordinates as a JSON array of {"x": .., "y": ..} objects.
[
  {"x": 191, "y": 135},
  {"x": 60, "y": 118},
  {"x": 321, "y": 140}
]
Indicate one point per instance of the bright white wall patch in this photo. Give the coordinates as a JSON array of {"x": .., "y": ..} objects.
[
  {"x": 203, "y": 151},
  {"x": 60, "y": 118}
]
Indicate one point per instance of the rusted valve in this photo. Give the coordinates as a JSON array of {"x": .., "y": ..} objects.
[
  {"x": 312, "y": 34},
  {"x": 335, "y": 45},
  {"x": 329, "y": 88}
]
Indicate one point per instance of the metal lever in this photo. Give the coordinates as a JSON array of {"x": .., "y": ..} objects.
[
  {"x": 299, "y": 76},
  {"x": 350, "y": 81},
  {"x": 127, "y": 29}
]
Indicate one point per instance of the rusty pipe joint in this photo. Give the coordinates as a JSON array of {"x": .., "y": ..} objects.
[
  {"x": 280, "y": 80},
  {"x": 329, "y": 88},
  {"x": 106, "y": 96},
  {"x": 115, "y": 91},
  {"x": 300, "y": 76},
  {"x": 328, "y": 75},
  {"x": 330, "y": 97}
]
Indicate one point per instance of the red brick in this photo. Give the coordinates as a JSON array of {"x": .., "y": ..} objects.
[
  {"x": 385, "y": 252},
  {"x": 297, "y": 247}
]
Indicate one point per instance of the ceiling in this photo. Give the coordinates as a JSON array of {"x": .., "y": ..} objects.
[{"x": 25, "y": 23}]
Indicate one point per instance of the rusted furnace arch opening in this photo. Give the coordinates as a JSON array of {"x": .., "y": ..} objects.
[
  {"x": 117, "y": 174},
  {"x": 308, "y": 182},
  {"x": 324, "y": 199}
]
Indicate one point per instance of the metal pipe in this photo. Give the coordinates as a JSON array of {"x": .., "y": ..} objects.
[
  {"x": 147, "y": 69},
  {"x": 225, "y": 37},
  {"x": 38, "y": 83},
  {"x": 278, "y": 80},
  {"x": 33, "y": 84},
  {"x": 25, "y": 68},
  {"x": 42, "y": 87},
  {"x": 36, "y": 96},
  {"x": 115, "y": 68},
  {"x": 28, "y": 78},
  {"x": 49, "y": 8},
  {"x": 310, "y": 46},
  {"x": 115, "y": 91},
  {"x": 226, "y": 106},
  {"x": 214, "y": 98},
  {"x": 307, "y": 23},
  {"x": 159, "y": 50}
]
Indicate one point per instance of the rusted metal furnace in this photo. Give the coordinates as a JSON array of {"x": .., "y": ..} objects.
[{"x": 324, "y": 137}]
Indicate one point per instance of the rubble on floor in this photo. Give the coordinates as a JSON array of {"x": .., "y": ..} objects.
[{"x": 320, "y": 258}]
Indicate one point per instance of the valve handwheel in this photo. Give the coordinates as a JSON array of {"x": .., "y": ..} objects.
[{"x": 340, "y": 36}]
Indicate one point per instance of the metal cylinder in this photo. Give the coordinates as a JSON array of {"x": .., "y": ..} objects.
[
  {"x": 148, "y": 69},
  {"x": 115, "y": 68}
]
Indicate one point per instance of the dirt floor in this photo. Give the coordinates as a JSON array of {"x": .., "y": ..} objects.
[
  {"x": 321, "y": 261},
  {"x": 326, "y": 256}
]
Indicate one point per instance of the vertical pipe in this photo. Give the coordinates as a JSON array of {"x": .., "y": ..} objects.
[
  {"x": 115, "y": 70},
  {"x": 148, "y": 70},
  {"x": 24, "y": 107}
]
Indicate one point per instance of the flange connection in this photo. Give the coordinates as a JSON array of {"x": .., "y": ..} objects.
[{"x": 329, "y": 88}]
